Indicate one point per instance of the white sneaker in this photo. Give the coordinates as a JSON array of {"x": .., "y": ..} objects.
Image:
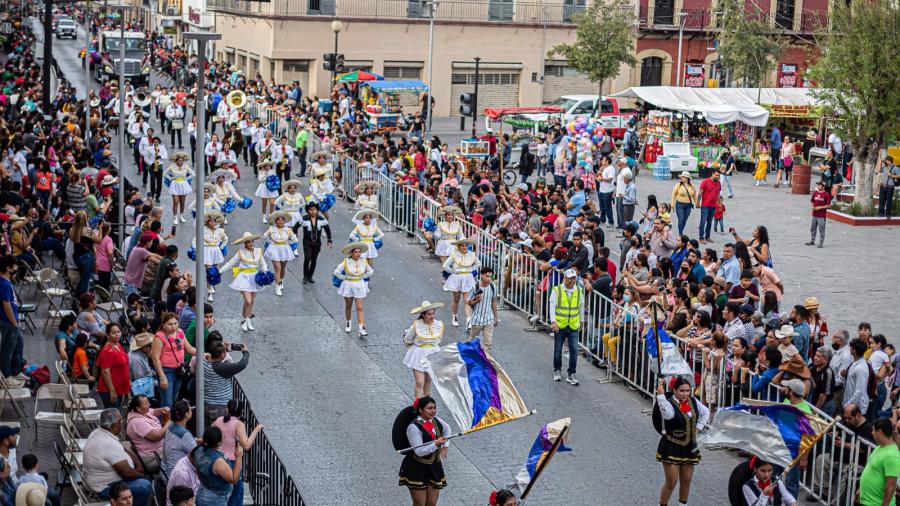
[
  {"x": 362, "y": 331},
  {"x": 534, "y": 319},
  {"x": 571, "y": 380},
  {"x": 212, "y": 289},
  {"x": 209, "y": 297},
  {"x": 244, "y": 325},
  {"x": 250, "y": 324},
  {"x": 454, "y": 321},
  {"x": 182, "y": 219},
  {"x": 265, "y": 218},
  {"x": 348, "y": 328},
  {"x": 556, "y": 376},
  {"x": 278, "y": 289}
]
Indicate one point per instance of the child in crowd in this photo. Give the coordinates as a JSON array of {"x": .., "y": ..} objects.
[
  {"x": 762, "y": 164},
  {"x": 719, "y": 217},
  {"x": 665, "y": 214}
]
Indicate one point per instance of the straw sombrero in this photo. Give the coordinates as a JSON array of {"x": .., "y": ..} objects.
[
  {"x": 227, "y": 174},
  {"x": 450, "y": 209},
  {"x": 363, "y": 212},
  {"x": 246, "y": 238},
  {"x": 354, "y": 245},
  {"x": 180, "y": 154},
  {"x": 215, "y": 216},
  {"x": 293, "y": 182},
  {"x": 209, "y": 186},
  {"x": 265, "y": 163},
  {"x": 279, "y": 214},
  {"x": 425, "y": 306},
  {"x": 320, "y": 171},
  {"x": 318, "y": 154},
  {"x": 361, "y": 187},
  {"x": 468, "y": 241}
]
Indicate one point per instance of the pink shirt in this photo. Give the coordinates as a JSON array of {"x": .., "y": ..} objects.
[
  {"x": 229, "y": 437},
  {"x": 172, "y": 354},
  {"x": 101, "y": 252},
  {"x": 768, "y": 281},
  {"x": 139, "y": 426}
]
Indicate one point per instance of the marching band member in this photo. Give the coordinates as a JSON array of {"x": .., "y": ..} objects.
[
  {"x": 154, "y": 158},
  {"x": 223, "y": 114},
  {"x": 224, "y": 187},
  {"x": 175, "y": 115},
  {"x": 312, "y": 226},
  {"x": 112, "y": 108},
  {"x": 214, "y": 241},
  {"x": 179, "y": 187},
  {"x": 283, "y": 156},
  {"x": 141, "y": 138},
  {"x": 462, "y": 266},
  {"x": 320, "y": 190},
  {"x": 211, "y": 151},
  {"x": 245, "y": 263},
  {"x": 449, "y": 230},
  {"x": 423, "y": 338},
  {"x": 365, "y": 195},
  {"x": 161, "y": 101},
  {"x": 257, "y": 135},
  {"x": 245, "y": 125},
  {"x": 263, "y": 147},
  {"x": 280, "y": 246},
  {"x": 262, "y": 191},
  {"x": 683, "y": 417},
  {"x": 422, "y": 469},
  {"x": 352, "y": 273},
  {"x": 291, "y": 201},
  {"x": 367, "y": 231}
]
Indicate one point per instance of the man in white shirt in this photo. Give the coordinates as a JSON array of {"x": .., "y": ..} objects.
[
  {"x": 245, "y": 125},
  {"x": 175, "y": 116},
  {"x": 734, "y": 327},
  {"x": 264, "y": 147},
  {"x": 162, "y": 103},
  {"x": 257, "y": 134},
  {"x": 155, "y": 157},
  {"x": 106, "y": 462},
  {"x": 623, "y": 172},
  {"x": 605, "y": 190}
]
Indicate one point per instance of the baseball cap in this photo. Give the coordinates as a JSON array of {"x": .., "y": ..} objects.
[
  {"x": 570, "y": 273},
  {"x": 747, "y": 308},
  {"x": 794, "y": 384},
  {"x": 7, "y": 431}
]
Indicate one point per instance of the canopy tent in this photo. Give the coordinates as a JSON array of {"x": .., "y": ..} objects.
[
  {"x": 493, "y": 114},
  {"x": 358, "y": 76},
  {"x": 405, "y": 85},
  {"x": 722, "y": 105}
]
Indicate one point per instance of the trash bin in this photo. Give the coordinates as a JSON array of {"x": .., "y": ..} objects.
[{"x": 800, "y": 179}]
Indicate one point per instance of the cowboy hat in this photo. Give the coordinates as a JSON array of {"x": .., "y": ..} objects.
[
  {"x": 215, "y": 216},
  {"x": 229, "y": 175},
  {"x": 209, "y": 186},
  {"x": 180, "y": 154},
  {"x": 361, "y": 187},
  {"x": 223, "y": 162},
  {"x": 450, "y": 210},
  {"x": 320, "y": 171},
  {"x": 362, "y": 213},
  {"x": 811, "y": 303},
  {"x": 319, "y": 154},
  {"x": 466, "y": 240},
  {"x": 31, "y": 494},
  {"x": 796, "y": 367},
  {"x": 280, "y": 214},
  {"x": 686, "y": 174},
  {"x": 109, "y": 180},
  {"x": 95, "y": 102},
  {"x": 247, "y": 237},
  {"x": 426, "y": 306},
  {"x": 265, "y": 163},
  {"x": 811, "y": 135},
  {"x": 785, "y": 331},
  {"x": 348, "y": 249},
  {"x": 292, "y": 182},
  {"x": 141, "y": 340}
]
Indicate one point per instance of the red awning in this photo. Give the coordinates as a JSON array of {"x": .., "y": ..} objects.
[{"x": 507, "y": 111}]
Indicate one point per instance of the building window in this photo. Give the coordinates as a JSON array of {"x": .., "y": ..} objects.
[
  {"x": 559, "y": 71},
  {"x": 570, "y": 7},
  {"x": 784, "y": 14},
  {"x": 500, "y": 10},
  {"x": 664, "y": 12},
  {"x": 320, "y": 7},
  {"x": 398, "y": 72},
  {"x": 651, "y": 71},
  {"x": 296, "y": 66},
  {"x": 416, "y": 9},
  {"x": 486, "y": 78}
]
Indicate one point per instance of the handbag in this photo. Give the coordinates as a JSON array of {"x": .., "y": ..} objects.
[
  {"x": 182, "y": 371},
  {"x": 177, "y": 124},
  {"x": 144, "y": 386}
]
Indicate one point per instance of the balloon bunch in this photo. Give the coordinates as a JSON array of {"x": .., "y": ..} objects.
[{"x": 585, "y": 136}]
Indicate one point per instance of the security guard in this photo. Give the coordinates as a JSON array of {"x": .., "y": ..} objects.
[{"x": 566, "y": 309}]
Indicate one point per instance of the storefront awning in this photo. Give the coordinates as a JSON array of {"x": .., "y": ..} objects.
[{"x": 722, "y": 105}]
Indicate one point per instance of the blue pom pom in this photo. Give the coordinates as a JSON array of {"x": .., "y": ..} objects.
[
  {"x": 228, "y": 206},
  {"x": 245, "y": 203},
  {"x": 326, "y": 204},
  {"x": 167, "y": 182},
  {"x": 294, "y": 246},
  {"x": 336, "y": 281},
  {"x": 273, "y": 183},
  {"x": 429, "y": 225},
  {"x": 264, "y": 278},
  {"x": 475, "y": 274},
  {"x": 213, "y": 277},
  {"x": 378, "y": 243},
  {"x": 445, "y": 274},
  {"x": 224, "y": 249},
  {"x": 192, "y": 253}
]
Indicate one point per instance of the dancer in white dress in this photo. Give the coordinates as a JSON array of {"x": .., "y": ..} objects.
[
  {"x": 365, "y": 195},
  {"x": 462, "y": 266},
  {"x": 367, "y": 231},
  {"x": 353, "y": 272},
  {"x": 282, "y": 242},
  {"x": 210, "y": 201},
  {"x": 449, "y": 230},
  {"x": 214, "y": 240},
  {"x": 247, "y": 261},
  {"x": 266, "y": 168},
  {"x": 178, "y": 175},
  {"x": 291, "y": 201},
  {"x": 423, "y": 338},
  {"x": 321, "y": 189}
]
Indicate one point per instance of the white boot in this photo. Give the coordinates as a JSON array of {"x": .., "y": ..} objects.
[
  {"x": 454, "y": 321},
  {"x": 362, "y": 331},
  {"x": 278, "y": 289},
  {"x": 209, "y": 297},
  {"x": 182, "y": 219},
  {"x": 212, "y": 289},
  {"x": 265, "y": 218},
  {"x": 250, "y": 324},
  {"x": 348, "y": 328},
  {"x": 244, "y": 324}
]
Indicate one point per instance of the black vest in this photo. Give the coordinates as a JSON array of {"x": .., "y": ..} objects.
[{"x": 776, "y": 495}]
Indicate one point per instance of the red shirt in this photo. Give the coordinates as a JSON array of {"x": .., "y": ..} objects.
[
  {"x": 820, "y": 199},
  {"x": 709, "y": 191},
  {"x": 611, "y": 270},
  {"x": 115, "y": 359}
]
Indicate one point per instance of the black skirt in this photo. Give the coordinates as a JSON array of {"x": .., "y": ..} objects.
[
  {"x": 417, "y": 475},
  {"x": 672, "y": 453}
]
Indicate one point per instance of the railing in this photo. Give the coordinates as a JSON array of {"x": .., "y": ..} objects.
[
  {"x": 652, "y": 18},
  {"x": 269, "y": 482},
  {"x": 447, "y": 10}
]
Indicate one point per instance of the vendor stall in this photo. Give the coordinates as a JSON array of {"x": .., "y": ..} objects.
[
  {"x": 518, "y": 112},
  {"x": 382, "y": 99}
]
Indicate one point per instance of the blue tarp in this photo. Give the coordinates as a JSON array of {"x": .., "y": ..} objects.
[{"x": 405, "y": 85}]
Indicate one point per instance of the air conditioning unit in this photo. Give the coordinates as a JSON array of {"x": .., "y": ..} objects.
[{"x": 171, "y": 11}]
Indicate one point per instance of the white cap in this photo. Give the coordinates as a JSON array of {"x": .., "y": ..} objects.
[
  {"x": 527, "y": 243},
  {"x": 623, "y": 160},
  {"x": 570, "y": 273}
]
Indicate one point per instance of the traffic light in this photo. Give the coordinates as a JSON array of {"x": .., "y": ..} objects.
[
  {"x": 339, "y": 63},
  {"x": 329, "y": 61},
  {"x": 466, "y": 102}
]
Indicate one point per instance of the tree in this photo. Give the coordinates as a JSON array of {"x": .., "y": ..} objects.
[
  {"x": 747, "y": 42},
  {"x": 858, "y": 81},
  {"x": 604, "y": 40}
]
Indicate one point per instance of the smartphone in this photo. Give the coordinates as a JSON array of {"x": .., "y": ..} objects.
[
  {"x": 237, "y": 347},
  {"x": 173, "y": 230},
  {"x": 478, "y": 292}
]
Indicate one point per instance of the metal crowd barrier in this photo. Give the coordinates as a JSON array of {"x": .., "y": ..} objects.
[{"x": 268, "y": 480}]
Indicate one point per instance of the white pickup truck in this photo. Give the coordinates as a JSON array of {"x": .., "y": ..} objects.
[{"x": 613, "y": 118}]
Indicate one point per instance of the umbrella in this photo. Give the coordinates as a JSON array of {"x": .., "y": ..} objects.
[{"x": 359, "y": 75}]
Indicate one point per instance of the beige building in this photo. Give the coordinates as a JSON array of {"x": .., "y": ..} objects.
[{"x": 285, "y": 40}]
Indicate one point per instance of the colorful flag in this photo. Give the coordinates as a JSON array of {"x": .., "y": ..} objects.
[
  {"x": 776, "y": 432},
  {"x": 550, "y": 440},
  {"x": 673, "y": 364},
  {"x": 474, "y": 388}
]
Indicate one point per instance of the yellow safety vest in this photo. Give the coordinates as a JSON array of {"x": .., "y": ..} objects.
[{"x": 568, "y": 313}]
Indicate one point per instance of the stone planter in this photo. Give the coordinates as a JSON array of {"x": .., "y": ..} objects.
[{"x": 861, "y": 221}]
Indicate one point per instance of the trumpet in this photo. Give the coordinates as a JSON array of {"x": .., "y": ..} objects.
[
  {"x": 142, "y": 97},
  {"x": 236, "y": 99}
]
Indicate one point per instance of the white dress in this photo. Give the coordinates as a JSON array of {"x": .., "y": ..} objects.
[
  {"x": 423, "y": 340},
  {"x": 367, "y": 202},
  {"x": 460, "y": 266},
  {"x": 319, "y": 190},
  {"x": 179, "y": 177},
  {"x": 213, "y": 240},
  {"x": 226, "y": 191},
  {"x": 367, "y": 234},
  {"x": 279, "y": 243},
  {"x": 292, "y": 203},
  {"x": 263, "y": 191},
  {"x": 244, "y": 265},
  {"x": 352, "y": 274},
  {"x": 446, "y": 233}
]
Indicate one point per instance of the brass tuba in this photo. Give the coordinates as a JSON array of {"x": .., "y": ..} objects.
[
  {"x": 142, "y": 97},
  {"x": 236, "y": 99}
]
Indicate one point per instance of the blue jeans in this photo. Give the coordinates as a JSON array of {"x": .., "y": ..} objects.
[
  {"x": 107, "y": 400},
  {"x": 85, "y": 265},
  {"x": 168, "y": 396},
  {"x": 141, "y": 490},
  {"x": 560, "y": 181},
  {"x": 682, "y": 212},
  {"x": 53, "y": 244},
  {"x": 11, "y": 349},
  {"x": 606, "y": 212},
  {"x": 207, "y": 497},
  {"x": 792, "y": 481},
  {"x": 237, "y": 490},
  {"x": 558, "y": 337},
  {"x": 727, "y": 180},
  {"x": 706, "y": 220}
]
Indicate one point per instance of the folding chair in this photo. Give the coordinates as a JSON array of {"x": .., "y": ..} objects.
[
  {"x": 50, "y": 285},
  {"x": 25, "y": 312},
  {"x": 84, "y": 495},
  {"x": 67, "y": 475},
  {"x": 107, "y": 304},
  {"x": 79, "y": 411},
  {"x": 49, "y": 392},
  {"x": 80, "y": 388},
  {"x": 14, "y": 396},
  {"x": 55, "y": 314},
  {"x": 74, "y": 439}
]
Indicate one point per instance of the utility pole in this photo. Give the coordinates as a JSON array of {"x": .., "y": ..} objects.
[
  {"x": 432, "y": 10},
  {"x": 121, "y": 158},
  {"x": 48, "y": 55},
  {"x": 475, "y": 100},
  {"x": 87, "y": 74}
]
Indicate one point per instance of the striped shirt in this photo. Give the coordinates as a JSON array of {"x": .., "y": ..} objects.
[
  {"x": 217, "y": 379},
  {"x": 482, "y": 313}
]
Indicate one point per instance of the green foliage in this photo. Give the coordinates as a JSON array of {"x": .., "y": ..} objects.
[
  {"x": 747, "y": 44},
  {"x": 604, "y": 40}
]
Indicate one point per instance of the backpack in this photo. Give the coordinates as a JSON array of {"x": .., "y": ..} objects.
[
  {"x": 606, "y": 145},
  {"x": 633, "y": 143},
  {"x": 872, "y": 383}
]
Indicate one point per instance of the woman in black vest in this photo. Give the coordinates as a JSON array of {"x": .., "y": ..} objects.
[
  {"x": 683, "y": 416},
  {"x": 422, "y": 471},
  {"x": 760, "y": 490}
]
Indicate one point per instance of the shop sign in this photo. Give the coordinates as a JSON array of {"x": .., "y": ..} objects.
[
  {"x": 793, "y": 111},
  {"x": 194, "y": 15},
  {"x": 787, "y": 75},
  {"x": 694, "y": 76}
]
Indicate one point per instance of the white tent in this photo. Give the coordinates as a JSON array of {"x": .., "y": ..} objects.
[{"x": 721, "y": 105}]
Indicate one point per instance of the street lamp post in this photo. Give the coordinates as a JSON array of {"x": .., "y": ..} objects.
[
  {"x": 336, "y": 27},
  {"x": 87, "y": 74},
  {"x": 200, "y": 222},
  {"x": 121, "y": 158},
  {"x": 432, "y": 10},
  {"x": 683, "y": 16}
]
